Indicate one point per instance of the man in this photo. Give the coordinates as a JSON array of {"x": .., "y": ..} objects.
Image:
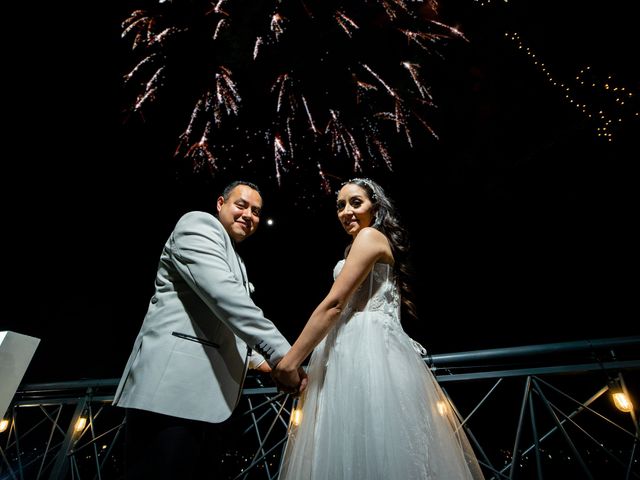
[{"x": 189, "y": 360}]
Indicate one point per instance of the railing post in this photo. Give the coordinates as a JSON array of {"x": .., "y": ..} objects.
[{"x": 61, "y": 467}]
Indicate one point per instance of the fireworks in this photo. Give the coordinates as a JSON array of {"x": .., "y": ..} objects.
[{"x": 323, "y": 80}]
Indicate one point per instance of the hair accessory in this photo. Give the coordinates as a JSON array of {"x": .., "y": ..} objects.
[{"x": 368, "y": 182}]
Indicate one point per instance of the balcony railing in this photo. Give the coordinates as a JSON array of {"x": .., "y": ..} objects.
[{"x": 531, "y": 412}]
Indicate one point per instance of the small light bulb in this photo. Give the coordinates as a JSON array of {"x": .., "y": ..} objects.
[
  {"x": 4, "y": 424},
  {"x": 80, "y": 424},
  {"x": 296, "y": 417},
  {"x": 442, "y": 407},
  {"x": 622, "y": 402}
]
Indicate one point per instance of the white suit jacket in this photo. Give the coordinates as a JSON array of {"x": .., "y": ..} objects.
[{"x": 190, "y": 357}]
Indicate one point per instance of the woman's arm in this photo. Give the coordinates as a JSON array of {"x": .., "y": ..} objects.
[{"x": 368, "y": 247}]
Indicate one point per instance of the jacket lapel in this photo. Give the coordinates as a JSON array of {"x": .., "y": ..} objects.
[{"x": 238, "y": 268}]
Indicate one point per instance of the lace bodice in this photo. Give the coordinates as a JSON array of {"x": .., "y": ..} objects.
[{"x": 378, "y": 293}]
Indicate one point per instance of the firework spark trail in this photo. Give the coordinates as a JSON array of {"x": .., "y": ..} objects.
[
  {"x": 363, "y": 89},
  {"x": 256, "y": 47},
  {"x": 355, "y": 153},
  {"x": 278, "y": 152},
  {"x": 217, "y": 8},
  {"x": 401, "y": 123},
  {"x": 148, "y": 59},
  {"x": 148, "y": 95},
  {"x": 200, "y": 152},
  {"x": 419, "y": 38},
  {"x": 214, "y": 107},
  {"x": 151, "y": 89},
  {"x": 453, "y": 30},
  {"x": 365, "y": 86},
  {"x": 290, "y": 138},
  {"x": 383, "y": 152},
  {"x": 423, "y": 39},
  {"x": 333, "y": 130},
  {"x": 323, "y": 179},
  {"x": 164, "y": 34},
  {"x": 132, "y": 22},
  {"x": 379, "y": 78},
  {"x": 352, "y": 149},
  {"x": 426, "y": 126},
  {"x": 140, "y": 22},
  {"x": 398, "y": 116},
  {"x": 185, "y": 137},
  {"x": 208, "y": 102},
  {"x": 226, "y": 91},
  {"x": 277, "y": 25},
  {"x": 281, "y": 82},
  {"x": 389, "y": 7},
  {"x": 306, "y": 108},
  {"x": 413, "y": 71},
  {"x": 343, "y": 140},
  {"x": 221, "y": 24},
  {"x": 348, "y": 25}
]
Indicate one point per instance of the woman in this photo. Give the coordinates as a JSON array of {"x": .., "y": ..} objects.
[{"x": 372, "y": 409}]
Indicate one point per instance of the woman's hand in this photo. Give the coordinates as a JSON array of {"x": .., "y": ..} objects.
[{"x": 263, "y": 368}]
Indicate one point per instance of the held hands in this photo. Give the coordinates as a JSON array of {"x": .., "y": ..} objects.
[
  {"x": 289, "y": 380},
  {"x": 263, "y": 368}
]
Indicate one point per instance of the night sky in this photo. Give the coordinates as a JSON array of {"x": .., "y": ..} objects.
[{"x": 521, "y": 217}]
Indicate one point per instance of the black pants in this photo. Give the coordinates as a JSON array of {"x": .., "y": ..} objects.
[{"x": 161, "y": 447}]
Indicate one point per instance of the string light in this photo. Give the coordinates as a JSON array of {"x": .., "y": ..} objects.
[
  {"x": 605, "y": 102},
  {"x": 617, "y": 101}
]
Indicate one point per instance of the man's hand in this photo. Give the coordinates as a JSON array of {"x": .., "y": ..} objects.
[{"x": 293, "y": 381}]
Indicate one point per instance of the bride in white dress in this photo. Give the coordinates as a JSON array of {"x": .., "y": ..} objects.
[{"x": 372, "y": 410}]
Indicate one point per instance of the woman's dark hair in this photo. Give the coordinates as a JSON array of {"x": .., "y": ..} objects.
[{"x": 386, "y": 220}]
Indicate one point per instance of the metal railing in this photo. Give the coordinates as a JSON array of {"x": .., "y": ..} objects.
[{"x": 537, "y": 411}]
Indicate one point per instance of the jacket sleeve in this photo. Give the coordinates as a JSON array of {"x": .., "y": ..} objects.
[{"x": 200, "y": 248}]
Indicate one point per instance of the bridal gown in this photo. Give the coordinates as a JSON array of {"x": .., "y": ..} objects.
[{"x": 372, "y": 409}]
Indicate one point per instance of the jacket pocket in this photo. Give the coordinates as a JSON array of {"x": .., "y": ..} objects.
[{"x": 193, "y": 338}]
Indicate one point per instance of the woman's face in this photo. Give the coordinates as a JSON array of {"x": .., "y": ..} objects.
[{"x": 355, "y": 209}]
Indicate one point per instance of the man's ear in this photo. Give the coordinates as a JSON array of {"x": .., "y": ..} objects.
[{"x": 219, "y": 203}]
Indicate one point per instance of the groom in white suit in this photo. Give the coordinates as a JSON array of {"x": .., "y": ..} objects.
[{"x": 200, "y": 334}]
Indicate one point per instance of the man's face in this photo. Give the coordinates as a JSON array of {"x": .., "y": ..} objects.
[{"x": 240, "y": 213}]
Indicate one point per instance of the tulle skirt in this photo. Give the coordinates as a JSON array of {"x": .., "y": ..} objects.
[{"x": 373, "y": 410}]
